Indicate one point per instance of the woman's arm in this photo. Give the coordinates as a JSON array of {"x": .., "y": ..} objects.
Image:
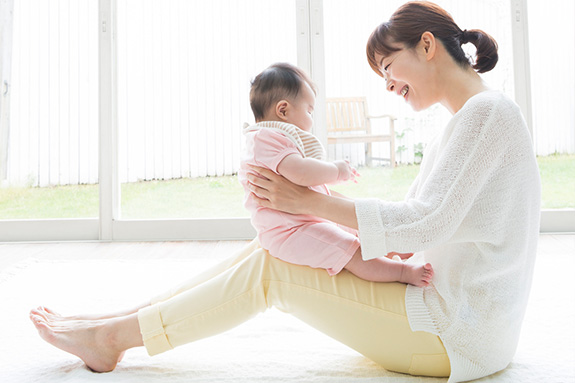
[
  {"x": 337, "y": 194},
  {"x": 277, "y": 192}
]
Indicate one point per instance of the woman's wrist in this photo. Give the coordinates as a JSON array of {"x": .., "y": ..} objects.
[
  {"x": 335, "y": 209},
  {"x": 313, "y": 203}
]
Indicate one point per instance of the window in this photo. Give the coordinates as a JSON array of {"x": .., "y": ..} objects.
[
  {"x": 145, "y": 142},
  {"x": 49, "y": 162},
  {"x": 551, "y": 30},
  {"x": 183, "y": 96}
]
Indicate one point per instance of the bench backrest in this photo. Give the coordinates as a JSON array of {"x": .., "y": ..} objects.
[{"x": 347, "y": 114}]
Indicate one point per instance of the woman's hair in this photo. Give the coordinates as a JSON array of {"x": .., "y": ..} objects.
[
  {"x": 280, "y": 81},
  {"x": 412, "y": 19}
]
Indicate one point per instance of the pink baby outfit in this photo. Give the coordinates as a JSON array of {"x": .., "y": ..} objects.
[{"x": 299, "y": 239}]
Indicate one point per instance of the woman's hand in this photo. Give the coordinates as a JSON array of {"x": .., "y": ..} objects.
[{"x": 276, "y": 192}]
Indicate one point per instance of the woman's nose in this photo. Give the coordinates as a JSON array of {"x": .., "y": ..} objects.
[{"x": 390, "y": 86}]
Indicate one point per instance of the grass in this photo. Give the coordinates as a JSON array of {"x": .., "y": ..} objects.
[
  {"x": 223, "y": 196},
  {"x": 49, "y": 202},
  {"x": 184, "y": 198},
  {"x": 557, "y": 181}
]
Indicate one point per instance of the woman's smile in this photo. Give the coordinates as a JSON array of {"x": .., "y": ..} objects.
[{"x": 404, "y": 92}]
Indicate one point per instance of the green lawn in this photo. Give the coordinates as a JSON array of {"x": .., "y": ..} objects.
[
  {"x": 222, "y": 196},
  {"x": 557, "y": 181}
]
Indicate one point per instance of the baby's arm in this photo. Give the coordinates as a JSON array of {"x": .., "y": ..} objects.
[{"x": 312, "y": 172}]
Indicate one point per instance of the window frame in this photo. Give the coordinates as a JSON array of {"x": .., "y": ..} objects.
[{"x": 310, "y": 46}]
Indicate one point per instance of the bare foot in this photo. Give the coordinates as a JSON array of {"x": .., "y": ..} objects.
[
  {"x": 53, "y": 316},
  {"x": 417, "y": 275},
  {"x": 91, "y": 341},
  {"x": 402, "y": 256}
]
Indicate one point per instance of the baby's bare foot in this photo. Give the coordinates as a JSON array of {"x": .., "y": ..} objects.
[
  {"x": 402, "y": 256},
  {"x": 417, "y": 275},
  {"x": 91, "y": 341}
]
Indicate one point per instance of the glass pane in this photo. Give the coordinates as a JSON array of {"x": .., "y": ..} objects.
[
  {"x": 184, "y": 77},
  {"x": 551, "y": 33},
  {"x": 349, "y": 75},
  {"x": 49, "y": 148}
]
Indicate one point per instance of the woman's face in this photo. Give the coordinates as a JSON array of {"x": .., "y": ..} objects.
[{"x": 408, "y": 74}]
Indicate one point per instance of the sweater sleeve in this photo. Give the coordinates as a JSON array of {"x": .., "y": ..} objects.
[{"x": 446, "y": 188}]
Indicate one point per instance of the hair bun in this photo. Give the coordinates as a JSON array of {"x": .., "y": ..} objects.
[
  {"x": 464, "y": 37},
  {"x": 486, "y": 54}
]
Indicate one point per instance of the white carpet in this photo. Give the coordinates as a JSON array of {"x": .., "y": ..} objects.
[{"x": 271, "y": 348}]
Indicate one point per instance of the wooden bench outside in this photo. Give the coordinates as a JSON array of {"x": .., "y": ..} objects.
[{"x": 348, "y": 122}]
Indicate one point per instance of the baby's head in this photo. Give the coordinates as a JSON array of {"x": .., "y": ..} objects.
[{"x": 283, "y": 92}]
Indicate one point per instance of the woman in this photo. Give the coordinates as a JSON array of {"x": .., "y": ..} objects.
[{"x": 472, "y": 212}]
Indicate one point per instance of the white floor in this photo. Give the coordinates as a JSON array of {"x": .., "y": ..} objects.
[{"x": 271, "y": 348}]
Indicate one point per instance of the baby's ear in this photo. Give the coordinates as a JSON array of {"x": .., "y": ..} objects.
[{"x": 281, "y": 109}]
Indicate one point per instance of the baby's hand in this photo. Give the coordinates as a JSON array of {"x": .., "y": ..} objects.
[{"x": 346, "y": 172}]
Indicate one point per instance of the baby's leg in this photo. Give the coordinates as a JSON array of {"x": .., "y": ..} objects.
[
  {"x": 387, "y": 270},
  {"x": 318, "y": 245}
]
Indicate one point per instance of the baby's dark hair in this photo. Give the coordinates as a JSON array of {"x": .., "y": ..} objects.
[{"x": 280, "y": 81}]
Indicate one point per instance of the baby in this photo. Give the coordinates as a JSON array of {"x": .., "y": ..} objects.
[{"x": 282, "y": 98}]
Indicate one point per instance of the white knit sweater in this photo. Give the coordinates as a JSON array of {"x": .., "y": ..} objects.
[{"x": 473, "y": 212}]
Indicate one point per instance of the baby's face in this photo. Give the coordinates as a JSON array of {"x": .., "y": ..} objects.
[{"x": 301, "y": 111}]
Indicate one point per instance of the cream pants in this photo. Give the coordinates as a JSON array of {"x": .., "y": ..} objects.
[{"x": 368, "y": 317}]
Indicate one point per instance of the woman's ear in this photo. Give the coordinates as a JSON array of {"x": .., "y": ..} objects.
[
  {"x": 282, "y": 109},
  {"x": 428, "y": 44}
]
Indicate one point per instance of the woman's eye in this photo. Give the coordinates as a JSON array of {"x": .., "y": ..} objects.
[{"x": 387, "y": 66}]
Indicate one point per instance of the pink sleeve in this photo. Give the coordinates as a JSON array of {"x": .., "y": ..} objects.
[{"x": 271, "y": 147}]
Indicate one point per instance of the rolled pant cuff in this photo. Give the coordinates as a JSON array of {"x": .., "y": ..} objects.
[
  {"x": 161, "y": 297},
  {"x": 152, "y": 330}
]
